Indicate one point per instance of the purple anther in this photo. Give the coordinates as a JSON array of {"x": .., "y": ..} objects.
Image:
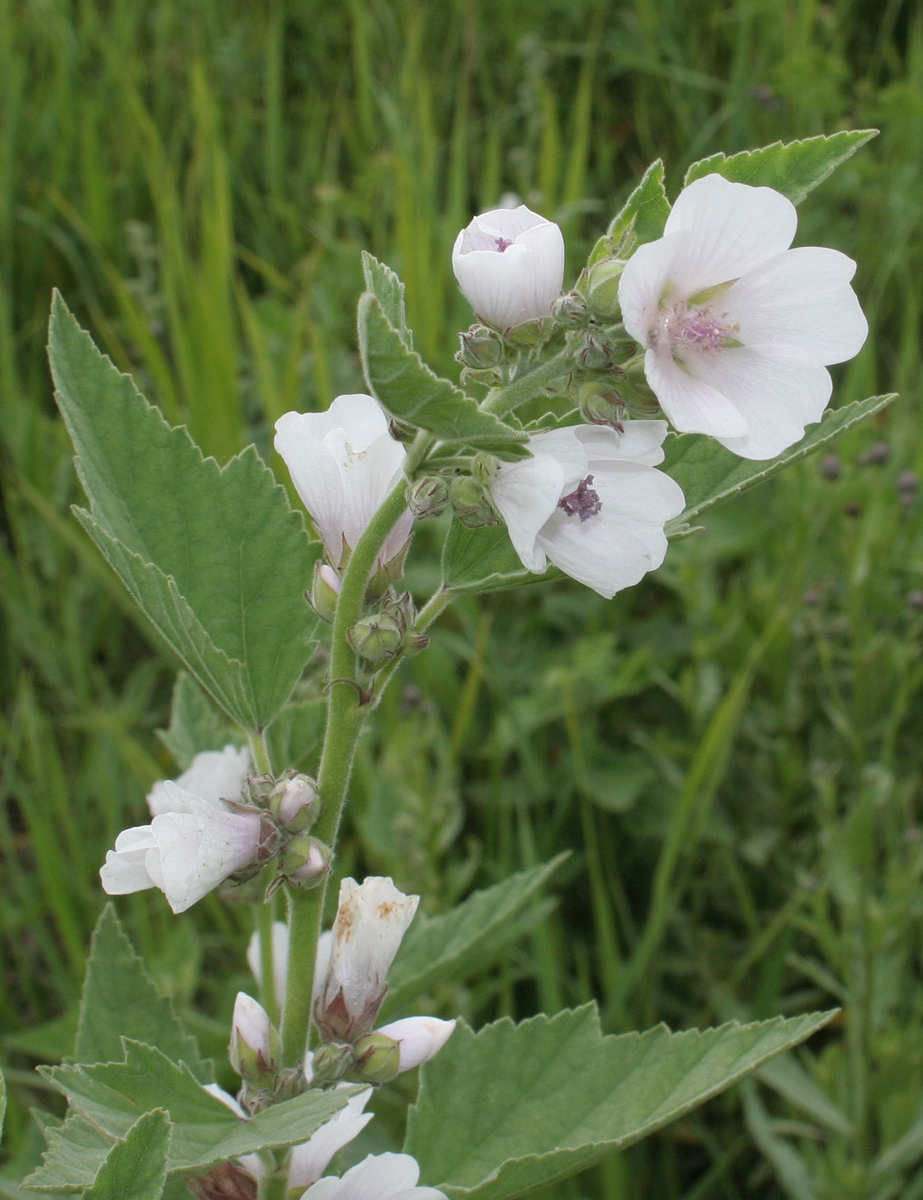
[
  {"x": 583, "y": 503},
  {"x": 502, "y": 243}
]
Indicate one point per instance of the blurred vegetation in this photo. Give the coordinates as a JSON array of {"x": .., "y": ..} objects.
[{"x": 731, "y": 749}]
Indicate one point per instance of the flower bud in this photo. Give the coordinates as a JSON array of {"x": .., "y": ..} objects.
[
  {"x": 378, "y": 1058},
  {"x": 332, "y": 1060},
  {"x": 295, "y": 801},
  {"x": 602, "y": 286},
  {"x": 510, "y": 265},
  {"x": 255, "y": 1045},
  {"x": 481, "y": 348},
  {"x": 305, "y": 861},
  {"x": 570, "y": 309},
  {"x": 325, "y": 591},
  {"x": 471, "y": 503},
  {"x": 419, "y": 1039},
  {"x": 602, "y": 407},
  {"x": 429, "y": 497},
  {"x": 387, "y": 575},
  {"x": 592, "y": 351},
  {"x": 377, "y": 638}
]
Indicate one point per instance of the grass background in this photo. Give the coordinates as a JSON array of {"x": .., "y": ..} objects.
[{"x": 731, "y": 750}]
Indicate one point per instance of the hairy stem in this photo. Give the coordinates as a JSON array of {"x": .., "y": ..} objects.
[{"x": 527, "y": 386}]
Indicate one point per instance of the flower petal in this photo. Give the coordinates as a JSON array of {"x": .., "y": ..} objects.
[
  {"x": 692, "y": 405},
  {"x": 526, "y": 493},
  {"x": 639, "y": 441},
  {"x": 316, "y": 477}
]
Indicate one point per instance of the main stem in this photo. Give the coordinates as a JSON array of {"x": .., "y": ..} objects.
[
  {"x": 347, "y": 708},
  {"x": 528, "y": 385}
]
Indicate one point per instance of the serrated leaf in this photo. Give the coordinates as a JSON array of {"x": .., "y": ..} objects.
[
  {"x": 107, "y": 1098},
  {"x": 708, "y": 473},
  {"x": 410, "y": 391},
  {"x": 386, "y": 286},
  {"x": 136, "y": 1167},
  {"x": 481, "y": 560},
  {"x": 793, "y": 168},
  {"x": 641, "y": 218},
  {"x": 189, "y": 539},
  {"x": 121, "y": 1000},
  {"x": 436, "y": 948},
  {"x": 195, "y": 723},
  {"x": 485, "y": 1128}
]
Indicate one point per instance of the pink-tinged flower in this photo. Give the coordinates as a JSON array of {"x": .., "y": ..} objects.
[
  {"x": 195, "y": 840},
  {"x": 378, "y": 1177},
  {"x": 738, "y": 328},
  {"x": 254, "y": 1047},
  {"x": 371, "y": 920},
  {"x": 344, "y": 462},
  {"x": 590, "y": 500},
  {"x": 510, "y": 265},
  {"x": 419, "y": 1039}
]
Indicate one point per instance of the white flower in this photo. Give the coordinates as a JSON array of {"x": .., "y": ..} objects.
[
  {"x": 590, "y": 500},
  {"x": 195, "y": 840},
  {"x": 378, "y": 1177},
  {"x": 419, "y": 1038},
  {"x": 737, "y": 328},
  {"x": 254, "y": 1041},
  {"x": 371, "y": 920},
  {"x": 510, "y": 265},
  {"x": 309, "y": 1159},
  {"x": 280, "y": 959},
  {"x": 344, "y": 462}
]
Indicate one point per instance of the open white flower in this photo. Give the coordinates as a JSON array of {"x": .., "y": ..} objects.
[
  {"x": 195, "y": 840},
  {"x": 590, "y": 500},
  {"x": 344, "y": 462},
  {"x": 738, "y": 328},
  {"x": 378, "y": 1177},
  {"x": 371, "y": 920},
  {"x": 510, "y": 265}
]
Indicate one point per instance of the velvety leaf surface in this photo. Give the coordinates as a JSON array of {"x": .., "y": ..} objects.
[
  {"x": 388, "y": 290},
  {"x": 481, "y": 560},
  {"x": 409, "y": 390},
  {"x": 215, "y": 556},
  {"x": 136, "y": 1167},
  {"x": 483, "y": 1126},
  {"x": 641, "y": 218},
  {"x": 120, "y": 1000},
  {"x": 195, "y": 724},
  {"x": 793, "y": 168},
  {"x": 708, "y": 473}
]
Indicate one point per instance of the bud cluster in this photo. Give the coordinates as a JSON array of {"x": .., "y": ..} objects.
[
  {"x": 387, "y": 634},
  {"x": 292, "y": 805}
]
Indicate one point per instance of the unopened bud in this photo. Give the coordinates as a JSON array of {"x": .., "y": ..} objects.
[
  {"x": 570, "y": 309},
  {"x": 471, "y": 503},
  {"x": 481, "y": 348},
  {"x": 602, "y": 286},
  {"x": 305, "y": 861},
  {"x": 255, "y": 1045},
  {"x": 429, "y": 497},
  {"x": 377, "y": 639},
  {"x": 295, "y": 801},
  {"x": 387, "y": 574},
  {"x": 531, "y": 333},
  {"x": 257, "y": 788},
  {"x": 378, "y": 1058},
  {"x": 332, "y": 1060},
  {"x": 602, "y": 407},
  {"x": 325, "y": 592},
  {"x": 419, "y": 1039},
  {"x": 401, "y": 431},
  {"x": 413, "y": 643},
  {"x": 592, "y": 351}
]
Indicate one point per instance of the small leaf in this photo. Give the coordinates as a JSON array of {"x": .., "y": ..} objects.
[
  {"x": 483, "y": 1127},
  {"x": 121, "y": 1000},
  {"x": 409, "y": 390},
  {"x": 215, "y": 556},
  {"x": 136, "y": 1167},
  {"x": 434, "y": 949},
  {"x": 792, "y": 168},
  {"x": 641, "y": 218},
  {"x": 388, "y": 289},
  {"x": 195, "y": 724},
  {"x": 481, "y": 560},
  {"x": 708, "y": 473}
]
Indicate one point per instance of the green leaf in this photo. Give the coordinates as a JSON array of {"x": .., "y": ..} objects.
[
  {"x": 410, "y": 391},
  {"x": 708, "y": 473},
  {"x": 2, "y": 1103},
  {"x": 215, "y": 556},
  {"x": 641, "y": 218},
  {"x": 195, "y": 723},
  {"x": 435, "y": 948},
  {"x": 515, "y": 1107},
  {"x": 120, "y": 1000},
  {"x": 136, "y": 1167},
  {"x": 107, "y": 1098},
  {"x": 388, "y": 290},
  {"x": 481, "y": 560},
  {"x": 792, "y": 168}
]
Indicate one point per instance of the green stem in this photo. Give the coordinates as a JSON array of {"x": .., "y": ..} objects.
[
  {"x": 436, "y": 604},
  {"x": 347, "y": 707},
  {"x": 527, "y": 387},
  {"x": 260, "y": 751},
  {"x": 275, "y": 1185}
]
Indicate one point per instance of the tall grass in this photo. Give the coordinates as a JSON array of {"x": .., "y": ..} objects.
[{"x": 730, "y": 750}]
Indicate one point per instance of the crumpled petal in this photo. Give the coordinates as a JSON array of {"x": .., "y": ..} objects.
[{"x": 378, "y": 1177}]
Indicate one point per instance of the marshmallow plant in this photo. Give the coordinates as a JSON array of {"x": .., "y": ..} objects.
[{"x": 591, "y": 423}]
